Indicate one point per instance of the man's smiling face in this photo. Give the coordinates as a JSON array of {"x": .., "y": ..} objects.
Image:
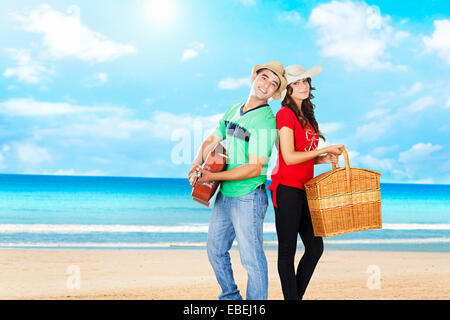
[{"x": 265, "y": 84}]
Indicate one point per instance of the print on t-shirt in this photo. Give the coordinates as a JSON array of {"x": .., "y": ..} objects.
[{"x": 312, "y": 138}]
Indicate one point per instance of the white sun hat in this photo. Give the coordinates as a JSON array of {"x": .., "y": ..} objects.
[{"x": 296, "y": 72}]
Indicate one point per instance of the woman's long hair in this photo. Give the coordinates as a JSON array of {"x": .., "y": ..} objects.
[{"x": 306, "y": 115}]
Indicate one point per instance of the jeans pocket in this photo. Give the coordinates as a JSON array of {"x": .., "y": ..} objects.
[
  {"x": 248, "y": 198},
  {"x": 261, "y": 204}
]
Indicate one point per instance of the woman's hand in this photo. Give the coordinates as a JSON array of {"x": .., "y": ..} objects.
[
  {"x": 334, "y": 149},
  {"x": 329, "y": 158}
]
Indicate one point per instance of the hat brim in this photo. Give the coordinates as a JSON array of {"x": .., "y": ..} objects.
[
  {"x": 311, "y": 73},
  {"x": 283, "y": 82}
]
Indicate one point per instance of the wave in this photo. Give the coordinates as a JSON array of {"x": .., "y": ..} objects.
[
  {"x": 389, "y": 241},
  {"x": 203, "y": 244},
  {"x": 416, "y": 226},
  {"x": 80, "y": 228},
  {"x": 191, "y": 228}
]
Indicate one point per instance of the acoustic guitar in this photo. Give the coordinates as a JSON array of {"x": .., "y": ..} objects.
[{"x": 204, "y": 192}]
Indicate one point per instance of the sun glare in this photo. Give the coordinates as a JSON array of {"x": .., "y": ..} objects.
[{"x": 161, "y": 11}]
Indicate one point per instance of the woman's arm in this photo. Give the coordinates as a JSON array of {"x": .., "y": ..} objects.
[{"x": 291, "y": 157}]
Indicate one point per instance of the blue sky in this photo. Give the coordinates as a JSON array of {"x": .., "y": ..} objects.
[{"x": 130, "y": 88}]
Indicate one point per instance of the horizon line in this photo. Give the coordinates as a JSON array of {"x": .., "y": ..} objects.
[{"x": 144, "y": 177}]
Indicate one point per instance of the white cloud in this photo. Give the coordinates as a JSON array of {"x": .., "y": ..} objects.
[
  {"x": 330, "y": 127},
  {"x": 418, "y": 164},
  {"x": 64, "y": 36},
  {"x": 422, "y": 161},
  {"x": 376, "y": 113},
  {"x": 439, "y": 40},
  {"x": 149, "y": 100},
  {"x": 290, "y": 16},
  {"x": 401, "y": 35},
  {"x": 2, "y": 159},
  {"x": 421, "y": 104},
  {"x": 164, "y": 124},
  {"x": 189, "y": 54},
  {"x": 161, "y": 125},
  {"x": 27, "y": 70},
  {"x": 187, "y": 132},
  {"x": 416, "y": 87},
  {"x": 383, "y": 150},
  {"x": 30, "y": 153},
  {"x": 372, "y": 163},
  {"x": 230, "y": 83},
  {"x": 423, "y": 181},
  {"x": 383, "y": 121},
  {"x": 107, "y": 122},
  {"x": 30, "y": 107},
  {"x": 373, "y": 130},
  {"x": 97, "y": 79},
  {"x": 193, "y": 51},
  {"x": 353, "y": 32},
  {"x": 72, "y": 172},
  {"x": 101, "y": 77},
  {"x": 112, "y": 127},
  {"x": 418, "y": 152},
  {"x": 5, "y": 149}
]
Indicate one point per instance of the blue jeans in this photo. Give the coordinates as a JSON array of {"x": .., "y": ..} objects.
[{"x": 241, "y": 218}]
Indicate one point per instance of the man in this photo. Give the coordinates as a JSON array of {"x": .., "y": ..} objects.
[{"x": 241, "y": 204}]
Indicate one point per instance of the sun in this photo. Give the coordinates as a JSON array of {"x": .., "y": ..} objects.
[{"x": 161, "y": 11}]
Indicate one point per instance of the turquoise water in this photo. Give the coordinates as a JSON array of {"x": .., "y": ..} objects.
[{"x": 39, "y": 211}]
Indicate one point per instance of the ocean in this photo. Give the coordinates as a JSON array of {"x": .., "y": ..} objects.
[{"x": 80, "y": 212}]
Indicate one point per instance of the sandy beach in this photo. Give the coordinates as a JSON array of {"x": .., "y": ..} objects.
[{"x": 186, "y": 274}]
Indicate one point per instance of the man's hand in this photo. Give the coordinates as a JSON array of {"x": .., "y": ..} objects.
[
  {"x": 194, "y": 173},
  {"x": 206, "y": 176},
  {"x": 203, "y": 152}
]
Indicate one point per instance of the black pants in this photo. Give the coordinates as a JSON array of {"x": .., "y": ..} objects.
[{"x": 292, "y": 217}]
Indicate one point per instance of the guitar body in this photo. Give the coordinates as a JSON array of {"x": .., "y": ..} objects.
[{"x": 203, "y": 192}]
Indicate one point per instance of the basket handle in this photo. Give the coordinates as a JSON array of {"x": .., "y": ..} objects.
[
  {"x": 347, "y": 161},
  {"x": 347, "y": 169}
]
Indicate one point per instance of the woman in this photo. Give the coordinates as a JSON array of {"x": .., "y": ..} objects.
[{"x": 299, "y": 136}]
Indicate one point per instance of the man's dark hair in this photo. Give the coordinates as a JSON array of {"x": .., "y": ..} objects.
[{"x": 279, "y": 80}]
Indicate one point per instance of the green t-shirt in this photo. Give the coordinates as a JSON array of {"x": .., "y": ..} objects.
[{"x": 253, "y": 132}]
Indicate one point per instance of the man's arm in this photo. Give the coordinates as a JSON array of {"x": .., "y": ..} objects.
[
  {"x": 205, "y": 148},
  {"x": 203, "y": 152},
  {"x": 246, "y": 171}
]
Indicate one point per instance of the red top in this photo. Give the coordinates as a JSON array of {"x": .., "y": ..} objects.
[{"x": 304, "y": 140}]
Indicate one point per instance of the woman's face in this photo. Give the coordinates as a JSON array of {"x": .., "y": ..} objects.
[{"x": 300, "y": 89}]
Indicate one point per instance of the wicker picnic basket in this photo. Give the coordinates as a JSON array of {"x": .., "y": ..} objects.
[{"x": 344, "y": 200}]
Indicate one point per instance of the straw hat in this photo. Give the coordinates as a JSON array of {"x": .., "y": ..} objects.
[
  {"x": 296, "y": 72},
  {"x": 278, "y": 69}
]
